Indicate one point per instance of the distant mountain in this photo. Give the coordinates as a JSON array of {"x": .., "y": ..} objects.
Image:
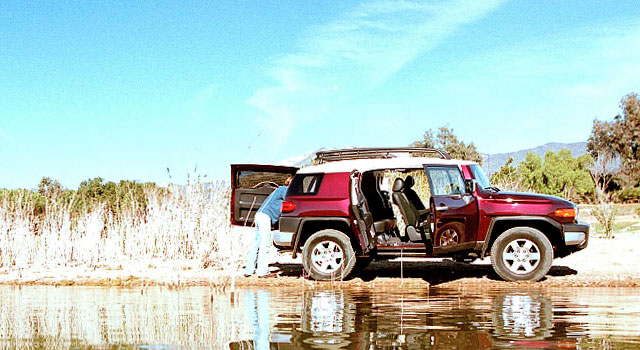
[
  {"x": 493, "y": 162},
  {"x": 490, "y": 162}
]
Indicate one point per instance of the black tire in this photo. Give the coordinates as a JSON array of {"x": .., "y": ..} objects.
[
  {"x": 361, "y": 264},
  {"x": 328, "y": 255},
  {"x": 521, "y": 254}
]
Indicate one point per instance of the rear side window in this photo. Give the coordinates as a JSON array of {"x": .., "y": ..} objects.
[
  {"x": 305, "y": 184},
  {"x": 251, "y": 179}
]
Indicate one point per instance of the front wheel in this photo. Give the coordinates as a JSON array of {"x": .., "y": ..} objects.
[
  {"x": 328, "y": 255},
  {"x": 522, "y": 254}
]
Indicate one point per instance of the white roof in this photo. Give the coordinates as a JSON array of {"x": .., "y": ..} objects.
[{"x": 362, "y": 165}]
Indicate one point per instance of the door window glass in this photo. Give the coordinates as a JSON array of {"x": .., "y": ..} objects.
[
  {"x": 251, "y": 179},
  {"x": 446, "y": 181}
]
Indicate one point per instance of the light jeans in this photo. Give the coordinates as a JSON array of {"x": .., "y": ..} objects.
[{"x": 260, "y": 246}]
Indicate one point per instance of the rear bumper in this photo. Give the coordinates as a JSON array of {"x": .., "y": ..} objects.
[
  {"x": 282, "y": 240},
  {"x": 576, "y": 236},
  {"x": 289, "y": 226}
]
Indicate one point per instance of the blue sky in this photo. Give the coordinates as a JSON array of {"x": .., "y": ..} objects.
[{"x": 123, "y": 90}]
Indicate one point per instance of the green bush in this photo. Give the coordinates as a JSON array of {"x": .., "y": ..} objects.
[
  {"x": 629, "y": 195},
  {"x": 125, "y": 199}
]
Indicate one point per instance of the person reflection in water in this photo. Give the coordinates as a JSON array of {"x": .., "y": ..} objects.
[{"x": 257, "y": 312}]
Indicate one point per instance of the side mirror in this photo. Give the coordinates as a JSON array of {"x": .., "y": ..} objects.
[{"x": 469, "y": 186}]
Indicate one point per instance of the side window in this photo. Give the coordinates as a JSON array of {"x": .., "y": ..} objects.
[
  {"x": 305, "y": 184},
  {"x": 445, "y": 181}
]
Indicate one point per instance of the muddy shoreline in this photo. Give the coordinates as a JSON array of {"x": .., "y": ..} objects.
[{"x": 605, "y": 263}]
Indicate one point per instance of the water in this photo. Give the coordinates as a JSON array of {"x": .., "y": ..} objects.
[{"x": 35, "y": 317}]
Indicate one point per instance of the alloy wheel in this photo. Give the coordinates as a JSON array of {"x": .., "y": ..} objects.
[
  {"x": 449, "y": 237},
  {"x": 327, "y": 257},
  {"x": 521, "y": 256}
]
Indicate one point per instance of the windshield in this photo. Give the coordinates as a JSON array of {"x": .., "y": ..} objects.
[{"x": 479, "y": 176}]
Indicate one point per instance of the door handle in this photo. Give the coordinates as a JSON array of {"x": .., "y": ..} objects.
[{"x": 442, "y": 208}]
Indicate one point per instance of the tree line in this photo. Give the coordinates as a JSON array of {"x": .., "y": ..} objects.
[
  {"x": 118, "y": 199},
  {"x": 609, "y": 171}
]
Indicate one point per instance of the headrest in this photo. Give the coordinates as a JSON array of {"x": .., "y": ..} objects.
[
  {"x": 398, "y": 185},
  {"x": 409, "y": 182}
]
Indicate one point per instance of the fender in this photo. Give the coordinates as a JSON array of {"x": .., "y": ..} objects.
[
  {"x": 298, "y": 232},
  {"x": 494, "y": 220}
]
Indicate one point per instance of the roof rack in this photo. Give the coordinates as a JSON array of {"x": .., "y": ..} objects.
[{"x": 372, "y": 153}]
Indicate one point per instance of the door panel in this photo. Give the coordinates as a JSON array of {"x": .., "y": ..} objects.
[
  {"x": 364, "y": 220},
  {"x": 454, "y": 213},
  {"x": 247, "y": 203},
  {"x": 251, "y": 184}
]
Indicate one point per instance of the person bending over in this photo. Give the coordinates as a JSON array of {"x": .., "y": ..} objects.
[{"x": 267, "y": 215}]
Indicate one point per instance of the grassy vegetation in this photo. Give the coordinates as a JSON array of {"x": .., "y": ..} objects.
[
  {"x": 106, "y": 224},
  {"x": 144, "y": 223},
  {"x": 627, "y": 219}
]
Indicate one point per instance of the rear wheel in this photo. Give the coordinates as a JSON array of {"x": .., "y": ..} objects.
[
  {"x": 328, "y": 255},
  {"x": 522, "y": 254}
]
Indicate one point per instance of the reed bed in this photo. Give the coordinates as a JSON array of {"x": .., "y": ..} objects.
[{"x": 180, "y": 223}]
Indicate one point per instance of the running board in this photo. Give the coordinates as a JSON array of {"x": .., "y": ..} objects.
[{"x": 405, "y": 251}]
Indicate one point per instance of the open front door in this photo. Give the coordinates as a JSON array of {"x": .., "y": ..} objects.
[
  {"x": 251, "y": 184},
  {"x": 454, "y": 213}
]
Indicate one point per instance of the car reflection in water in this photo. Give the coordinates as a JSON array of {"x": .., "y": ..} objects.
[{"x": 333, "y": 319}]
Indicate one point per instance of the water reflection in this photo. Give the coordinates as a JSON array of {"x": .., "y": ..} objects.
[
  {"x": 337, "y": 319},
  {"x": 257, "y": 309},
  {"x": 522, "y": 316},
  {"x": 82, "y": 317}
]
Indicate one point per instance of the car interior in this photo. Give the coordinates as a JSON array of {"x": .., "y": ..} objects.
[{"x": 409, "y": 206}]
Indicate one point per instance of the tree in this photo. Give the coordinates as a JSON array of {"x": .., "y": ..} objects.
[
  {"x": 530, "y": 173},
  {"x": 447, "y": 141},
  {"x": 49, "y": 188},
  {"x": 506, "y": 177},
  {"x": 620, "y": 139},
  {"x": 565, "y": 176},
  {"x": 560, "y": 174}
]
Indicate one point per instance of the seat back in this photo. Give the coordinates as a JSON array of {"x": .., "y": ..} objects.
[
  {"x": 373, "y": 197},
  {"x": 411, "y": 194},
  {"x": 408, "y": 211}
]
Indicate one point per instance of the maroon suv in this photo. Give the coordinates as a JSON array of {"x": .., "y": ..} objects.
[{"x": 357, "y": 205}]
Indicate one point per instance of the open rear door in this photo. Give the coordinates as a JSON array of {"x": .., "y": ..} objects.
[{"x": 251, "y": 184}]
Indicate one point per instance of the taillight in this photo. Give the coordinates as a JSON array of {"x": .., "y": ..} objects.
[
  {"x": 565, "y": 213},
  {"x": 288, "y": 207}
]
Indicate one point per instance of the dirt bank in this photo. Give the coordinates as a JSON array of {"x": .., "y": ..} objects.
[{"x": 606, "y": 262}]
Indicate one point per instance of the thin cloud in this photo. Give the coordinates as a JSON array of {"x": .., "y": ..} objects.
[
  {"x": 356, "y": 52},
  {"x": 586, "y": 67}
]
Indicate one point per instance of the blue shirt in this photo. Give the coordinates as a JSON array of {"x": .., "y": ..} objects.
[{"x": 273, "y": 204}]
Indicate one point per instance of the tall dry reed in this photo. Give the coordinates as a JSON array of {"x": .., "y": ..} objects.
[{"x": 183, "y": 223}]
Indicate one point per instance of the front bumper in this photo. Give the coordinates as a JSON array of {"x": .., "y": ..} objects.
[{"x": 576, "y": 236}]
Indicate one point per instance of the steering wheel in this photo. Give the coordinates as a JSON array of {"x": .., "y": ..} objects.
[{"x": 266, "y": 183}]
